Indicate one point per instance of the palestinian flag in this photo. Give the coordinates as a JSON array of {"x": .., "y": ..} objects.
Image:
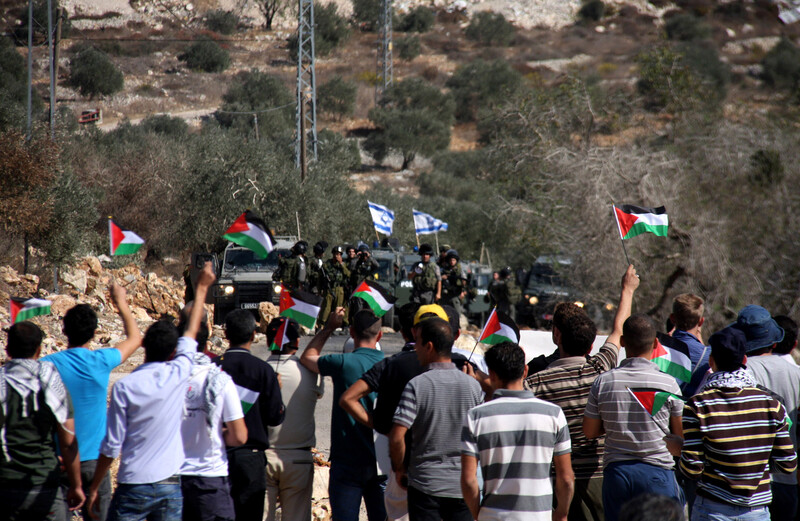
[
  {"x": 123, "y": 242},
  {"x": 301, "y": 306},
  {"x": 247, "y": 396},
  {"x": 250, "y": 232},
  {"x": 25, "y": 308},
  {"x": 672, "y": 357},
  {"x": 374, "y": 295},
  {"x": 652, "y": 400},
  {"x": 499, "y": 328},
  {"x": 281, "y": 338},
  {"x": 635, "y": 220}
]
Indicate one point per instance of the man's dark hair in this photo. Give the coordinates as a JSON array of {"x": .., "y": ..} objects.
[
  {"x": 651, "y": 507},
  {"x": 160, "y": 341},
  {"x": 24, "y": 338},
  {"x": 453, "y": 319},
  {"x": 202, "y": 333},
  {"x": 578, "y": 332},
  {"x": 563, "y": 312},
  {"x": 406, "y": 317},
  {"x": 80, "y": 323},
  {"x": 507, "y": 360},
  {"x": 439, "y": 333},
  {"x": 789, "y": 327},
  {"x": 239, "y": 326},
  {"x": 639, "y": 333},
  {"x": 366, "y": 326}
]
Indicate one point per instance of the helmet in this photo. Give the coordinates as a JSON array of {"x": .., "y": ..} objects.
[
  {"x": 426, "y": 249},
  {"x": 452, "y": 254},
  {"x": 505, "y": 272},
  {"x": 300, "y": 247},
  {"x": 320, "y": 247},
  {"x": 363, "y": 249},
  {"x": 337, "y": 249}
]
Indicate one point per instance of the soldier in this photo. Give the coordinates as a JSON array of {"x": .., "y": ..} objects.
[
  {"x": 293, "y": 272},
  {"x": 351, "y": 258},
  {"x": 365, "y": 266},
  {"x": 426, "y": 278},
  {"x": 442, "y": 260},
  {"x": 454, "y": 282},
  {"x": 315, "y": 278},
  {"x": 504, "y": 292},
  {"x": 335, "y": 275}
]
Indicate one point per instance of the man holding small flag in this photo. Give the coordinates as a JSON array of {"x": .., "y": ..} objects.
[{"x": 637, "y": 459}]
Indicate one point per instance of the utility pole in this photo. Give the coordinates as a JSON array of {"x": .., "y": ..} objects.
[
  {"x": 385, "y": 62},
  {"x": 30, "y": 70},
  {"x": 306, "y": 110},
  {"x": 51, "y": 50}
]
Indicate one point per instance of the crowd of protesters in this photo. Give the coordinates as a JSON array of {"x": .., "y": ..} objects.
[{"x": 429, "y": 433}]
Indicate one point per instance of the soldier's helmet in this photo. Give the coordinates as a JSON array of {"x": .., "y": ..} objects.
[
  {"x": 426, "y": 249},
  {"x": 452, "y": 254},
  {"x": 319, "y": 247},
  {"x": 363, "y": 249},
  {"x": 505, "y": 272},
  {"x": 300, "y": 247},
  {"x": 337, "y": 249}
]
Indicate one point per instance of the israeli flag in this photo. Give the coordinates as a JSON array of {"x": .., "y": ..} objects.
[
  {"x": 424, "y": 223},
  {"x": 382, "y": 218}
]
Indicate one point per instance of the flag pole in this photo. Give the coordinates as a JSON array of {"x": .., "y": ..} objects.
[
  {"x": 479, "y": 336},
  {"x": 621, "y": 238},
  {"x": 417, "y": 235},
  {"x": 110, "y": 239},
  {"x": 377, "y": 237},
  {"x": 436, "y": 234},
  {"x": 297, "y": 218}
]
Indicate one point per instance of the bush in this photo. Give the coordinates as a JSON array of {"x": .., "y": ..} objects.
[
  {"x": 220, "y": 21},
  {"x": 40, "y": 22},
  {"x": 667, "y": 83},
  {"x": 13, "y": 90},
  {"x": 490, "y": 29},
  {"x": 592, "y": 10},
  {"x": 766, "y": 168},
  {"x": 687, "y": 27},
  {"x": 337, "y": 97},
  {"x": 334, "y": 148},
  {"x": 408, "y": 48},
  {"x": 330, "y": 30},
  {"x": 703, "y": 60},
  {"x": 92, "y": 72},
  {"x": 782, "y": 65},
  {"x": 258, "y": 91},
  {"x": 206, "y": 56},
  {"x": 367, "y": 13},
  {"x": 166, "y": 125},
  {"x": 418, "y": 20},
  {"x": 481, "y": 84}
]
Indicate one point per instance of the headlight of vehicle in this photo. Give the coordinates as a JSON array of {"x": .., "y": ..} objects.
[
  {"x": 228, "y": 290},
  {"x": 533, "y": 300},
  {"x": 276, "y": 288},
  {"x": 579, "y": 303}
]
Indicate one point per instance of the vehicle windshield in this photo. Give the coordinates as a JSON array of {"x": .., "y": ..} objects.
[
  {"x": 543, "y": 275},
  {"x": 244, "y": 259},
  {"x": 480, "y": 280},
  {"x": 385, "y": 271}
]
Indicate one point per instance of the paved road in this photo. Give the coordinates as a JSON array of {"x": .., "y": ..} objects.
[{"x": 391, "y": 343}]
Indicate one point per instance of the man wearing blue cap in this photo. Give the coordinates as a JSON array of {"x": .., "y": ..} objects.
[
  {"x": 733, "y": 431},
  {"x": 782, "y": 378}
]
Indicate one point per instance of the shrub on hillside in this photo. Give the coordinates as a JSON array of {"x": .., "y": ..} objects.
[
  {"x": 766, "y": 168},
  {"x": 782, "y": 65},
  {"x": 166, "y": 125},
  {"x": 481, "y": 84},
  {"x": 408, "y": 47},
  {"x": 490, "y": 29},
  {"x": 221, "y": 21},
  {"x": 367, "y": 13},
  {"x": 335, "y": 148},
  {"x": 337, "y": 97},
  {"x": 92, "y": 73},
  {"x": 258, "y": 91},
  {"x": 206, "y": 56},
  {"x": 418, "y": 20},
  {"x": 687, "y": 27},
  {"x": 330, "y": 31},
  {"x": 13, "y": 91},
  {"x": 592, "y": 10},
  {"x": 666, "y": 82},
  {"x": 40, "y": 22},
  {"x": 703, "y": 59}
]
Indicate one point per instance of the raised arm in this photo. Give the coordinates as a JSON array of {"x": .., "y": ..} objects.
[
  {"x": 204, "y": 281},
  {"x": 630, "y": 281},
  {"x": 133, "y": 336},
  {"x": 312, "y": 352}
]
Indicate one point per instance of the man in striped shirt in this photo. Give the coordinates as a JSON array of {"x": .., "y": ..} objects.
[
  {"x": 515, "y": 438},
  {"x": 566, "y": 383},
  {"x": 734, "y": 431}
]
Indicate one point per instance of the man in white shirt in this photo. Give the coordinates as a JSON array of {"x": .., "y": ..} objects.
[
  {"x": 144, "y": 423},
  {"x": 211, "y": 399},
  {"x": 290, "y": 464}
]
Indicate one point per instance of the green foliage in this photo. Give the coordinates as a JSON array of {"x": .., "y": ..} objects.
[
  {"x": 782, "y": 65},
  {"x": 766, "y": 168},
  {"x": 415, "y": 118},
  {"x": 258, "y": 91},
  {"x": 687, "y": 27},
  {"x": 367, "y": 13},
  {"x": 132, "y": 48},
  {"x": 334, "y": 148},
  {"x": 40, "y": 22},
  {"x": 703, "y": 59},
  {"x": 337, "y": 97},
  {"x": 666, "y": 82},
  {"x": 418, "y": 20},
  {"x": 13, "y": 91},
  {"x": 206, "y": 56},
  {"x": 221, "y": 21},
  {"x": 480, "y": 85},
  {"x": 92, "y": 73},
  {"x": 489, "y": 28},
  {"x": 592, "y": 10},
  {"x": 407, "y": 48},
  {"x": 330, "y": 30},
  {"x": 165, "y": 124}
]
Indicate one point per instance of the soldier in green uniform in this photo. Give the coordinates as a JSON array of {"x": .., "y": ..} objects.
[
  {"x": 426, "y": 278},
  {"x": 335, "y": 275},
  {"x": 454, "y": 282},
  {"x": 365, "y": 266},
  {"x": 504, "y": 293},
  {"x": 315, "y": 281},
  {"x": 293, "y": 272}
]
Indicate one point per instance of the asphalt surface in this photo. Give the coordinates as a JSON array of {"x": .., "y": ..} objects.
[{"x": 390, "y": 343}]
